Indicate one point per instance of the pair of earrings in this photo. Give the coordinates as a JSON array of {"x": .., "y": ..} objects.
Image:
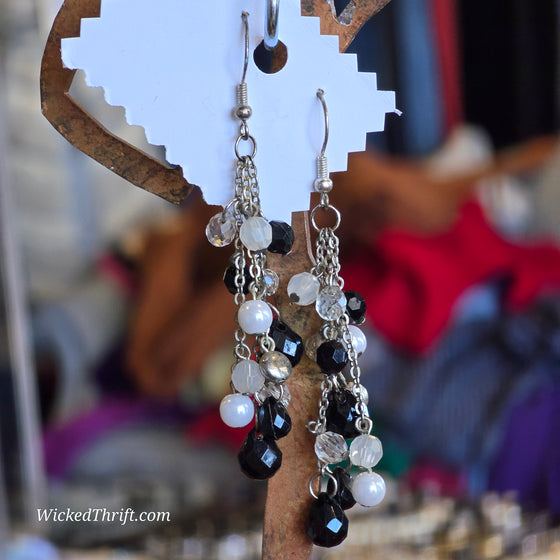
[{"x": 261, "y": 369}]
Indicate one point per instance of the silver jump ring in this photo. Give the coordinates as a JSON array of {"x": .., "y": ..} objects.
[
  {"x": 325, "y": 209},
  {"x": 321, "y": 475},
  {"x": 271, "y": 24},
  {"x": 248, "y": 139}
]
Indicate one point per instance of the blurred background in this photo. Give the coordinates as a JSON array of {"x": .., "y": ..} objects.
[{"x": 115, "y": 325}]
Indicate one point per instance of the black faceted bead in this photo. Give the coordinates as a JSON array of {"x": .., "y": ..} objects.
[
  {"x": 282, "y": 238},
  {"x": 341, "y": 414},
  {"x": 273, "y": 421},
  {"x": 327, "y": 525},
  {"x": 344, "y": 489},
  {"x": 259, "y": 457},
  {"x": 229, "y": 279},
  {"x": 332, "y": 356},
  {"x": 355, "y": 307},
  {"x": 287, "y": 341}
]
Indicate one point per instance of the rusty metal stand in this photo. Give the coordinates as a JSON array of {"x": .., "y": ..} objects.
[{"x": 288, "y": 499}]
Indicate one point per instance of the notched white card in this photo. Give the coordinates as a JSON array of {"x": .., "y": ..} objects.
[{"x": 174, "y": 65}]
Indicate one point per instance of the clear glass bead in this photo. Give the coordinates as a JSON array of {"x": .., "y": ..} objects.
[
  {"x": 220, "y": 230},
  {"x": 247, "y": 377},
  {"x": 271, "y": 281},
  {"x": 303, "y": 288},
  {"x": 331, "y": 303},
  {"x": 311, "y": 345},
  {"x": 361, "y": 389},
  {"x": 330, "y": 448},
  {"x": 280, "y": 392},
  {"x": 256, "y": 233},
  {"x": 366, "y": 451},
  {"x": 368, "y": 489}
]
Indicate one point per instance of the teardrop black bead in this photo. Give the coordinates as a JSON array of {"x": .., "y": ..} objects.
[
  {"x": 355, "y": 307},
  {"x": 341, "y": 414},
  {"x": 273, "y": 421},
  {"x": 327, "y": 525},
  {"x": 287, "y": 341},
  {"x": 282, "y": 238},
  {"x": 259, "y": 457},
  {"x": 229, "y": 279},
  {"x": 344, "y": 488}
]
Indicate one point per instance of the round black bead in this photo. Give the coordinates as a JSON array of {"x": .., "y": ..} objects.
[
  {"x": 327, "y": 525},
  {"x": 259, "y": 457},
  {"x": 332, "y": 356},
  {"x": 341, "y": 414},
  {"x": 229, "y": 279},
  {"x": 273, "y": 421},
  {"x": 355, "y": 307},
  {"x": 344, "y": 488},
  {"x": 282, "y": 238},
  {"x": 287, "y": 341}
]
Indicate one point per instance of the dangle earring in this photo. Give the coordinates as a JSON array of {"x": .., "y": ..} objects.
[
  {"x": 343, "y": 412},
  {"x": 259, "y": 371}
]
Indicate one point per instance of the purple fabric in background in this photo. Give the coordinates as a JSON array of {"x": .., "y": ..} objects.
[
  {"x": 62, "y": 444},
  {"x": 528, "y": 460}
]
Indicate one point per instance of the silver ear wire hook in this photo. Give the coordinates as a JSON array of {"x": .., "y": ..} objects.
[
  {"x": 321, "y": 96},
  {"x": 245, "y": 17},
  {"x": 244, "y": 111},
  {"x": 323, "y": 184},
  {"x": 271, "y": 24}
]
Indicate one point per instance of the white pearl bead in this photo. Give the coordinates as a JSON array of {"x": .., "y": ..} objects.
[
  {"x": 247, "y": 377},
  {"x": 236, "y": 410},
  {"x": 254, "y": 316},
  {"x": 368, "y": 489},
  {"x": 256, "y": 233},
  {"x": 366, "y": 451},
  {"x": 303, "y": 288},
  {"x": 359, "y": 340}
]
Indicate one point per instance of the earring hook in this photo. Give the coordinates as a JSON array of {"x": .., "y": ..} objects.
[
  {"x": 271, "y": 24},
  {"x": 321, "y": 96},
  {"x": 245, "y": 17}
]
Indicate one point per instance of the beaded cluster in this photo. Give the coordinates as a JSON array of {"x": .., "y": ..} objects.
[{"x": 263, "y": 364}]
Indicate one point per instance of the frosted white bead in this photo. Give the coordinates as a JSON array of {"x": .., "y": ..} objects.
[
  {"x": 237, "y": 410},
  {"x": 275, "y": 366},
  {"x": 280, "y": 392},
  {"x": 368, "y": 489},
  {"x": 247, "y": 377},
  {"x": 271, "y": 281},
  {"x": 331, "y": 303},
  {"x": 366, "y": 451},
  {"x": 256, "y": 233},
  {"x": 303, "y": 288},
  {"x": 359, "y": 340},
  {"x": 330, "y": 448},
  {"x": 254, "y": 316},
  {"x": 220, "y": 230}
]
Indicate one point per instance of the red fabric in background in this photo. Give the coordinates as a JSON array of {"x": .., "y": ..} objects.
[
  {"x": 411, "y": 283},
  {"x": 446, "y": 34}
]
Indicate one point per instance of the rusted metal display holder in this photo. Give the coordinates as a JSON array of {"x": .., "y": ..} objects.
[{"x": 288, "y": 498}]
